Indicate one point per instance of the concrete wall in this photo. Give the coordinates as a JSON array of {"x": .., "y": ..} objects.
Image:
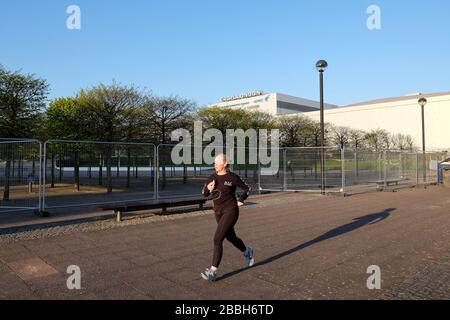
[{"x": 401, "y": 116}]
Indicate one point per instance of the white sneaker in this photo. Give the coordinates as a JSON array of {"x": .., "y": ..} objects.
[
  {"x": 209, "y": 275},
  {"x": 248, "y": 254}
]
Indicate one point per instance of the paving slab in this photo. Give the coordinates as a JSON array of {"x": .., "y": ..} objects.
[{"x": 306, "y": 247}]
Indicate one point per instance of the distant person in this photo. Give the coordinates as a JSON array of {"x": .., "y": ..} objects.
[
  {"x": 222, "y": 186},
  {"x": 291, "y": 170}
]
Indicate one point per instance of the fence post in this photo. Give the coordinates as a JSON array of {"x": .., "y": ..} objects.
[
  {"x": 343, "y": 169},
  {"x": 259, "y": 174},
  {"x": 379, "y": 169},
  {"x": 385, "y": 169},
  {"x": 44, "y": 174},
  {"x": 417, "y": 168},
  {"x": 156, "y": 173},
  {"x": 41, "y": 184},
  {"x": 284, "y": 170},
  {"x": 231, "y": 159},
  {"x": 324, "y": 161}
]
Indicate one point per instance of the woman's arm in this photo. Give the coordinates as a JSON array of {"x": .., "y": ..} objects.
[
  {"x": 205, "y": 190},
  {"x": 244, "y": 187}
]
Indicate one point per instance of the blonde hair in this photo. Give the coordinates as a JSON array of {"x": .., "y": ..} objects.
[{"x": 223, "y": 157}]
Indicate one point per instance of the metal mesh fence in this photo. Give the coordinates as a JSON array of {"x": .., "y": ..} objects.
[
  {"x": 273, "y": 179},
  {"x": 427, "y": 166},
  {"x": 364, "y": 170},
  {"x": 300, "y": 170},
  {"x": 178, "y": 178},
  {"x": 85, "y": 172},
  {"x": 20, "y": 174},
  {"x": 183, "y": 179},
  {"x": 368, "y": 170}
]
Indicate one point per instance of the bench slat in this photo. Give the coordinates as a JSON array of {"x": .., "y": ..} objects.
[{"x": 138, "y": 206}]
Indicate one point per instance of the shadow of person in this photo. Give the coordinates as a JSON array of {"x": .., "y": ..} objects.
[{"x": 355, "y": 224}]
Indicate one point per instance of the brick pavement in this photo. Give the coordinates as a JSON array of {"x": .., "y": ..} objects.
[{"x": 306, "y": 247}]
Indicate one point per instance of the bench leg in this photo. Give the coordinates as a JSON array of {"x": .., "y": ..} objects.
[
  {"x": 118, "y": 216},
  {"x": 200, "y": 206},
  {"x": 164, "y": 210}
]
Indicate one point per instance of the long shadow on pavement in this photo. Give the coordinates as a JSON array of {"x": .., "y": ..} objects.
[{"x": 356, "y": 224}]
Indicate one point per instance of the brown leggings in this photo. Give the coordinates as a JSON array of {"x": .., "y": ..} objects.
[{"x": 226, "y": 218}]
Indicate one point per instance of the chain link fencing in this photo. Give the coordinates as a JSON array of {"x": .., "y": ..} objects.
[
  {"x": 86, "y": 173},
  {"x": 20, "y": 174},
  {"x": 81, "y": 173}
]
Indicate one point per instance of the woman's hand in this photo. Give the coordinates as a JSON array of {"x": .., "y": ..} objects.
[
  {"x": 240, "y": 204},
  {"x": 211, "y": 185}
]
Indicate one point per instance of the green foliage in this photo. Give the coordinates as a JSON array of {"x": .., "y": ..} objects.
[
  {"x": 108, "y": 108},
  {"x": 224, "y": 118},
  {"x": 124, "y": 113},
  {"x": 168, "y": 114},
  {"x": 22, "y": 99},
  {"x": 66, "y": 120}
]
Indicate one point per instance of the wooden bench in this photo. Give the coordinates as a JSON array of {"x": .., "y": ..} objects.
[
  {"x": 389, "y": 182},
  {"x": 163, "y": 204}
]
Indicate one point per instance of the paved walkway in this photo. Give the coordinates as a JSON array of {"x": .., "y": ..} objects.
[{"x": 306, "y": 247}]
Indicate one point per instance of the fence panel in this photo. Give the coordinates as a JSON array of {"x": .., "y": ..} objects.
[
  {"x": 245, "y": 164},
  {"x": 300, "y": 170},
  {"x": 178, "y": 178},
  {"x": 83, "y": 173},
  {"x": 304, "y": 169},
  {"x": 363, "y": 170},
  {"x": 20, "y": 175},
  {"x": 79, "y": 173},
  {"x": 368, "y": 170},
  {"x": 273, "y": 179},
  {"x": 430, "y": 160}
]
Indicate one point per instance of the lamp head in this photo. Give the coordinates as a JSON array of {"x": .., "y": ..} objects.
[
  {"x": 321, "y": 65},
  {"x": 422, "y": 101}
]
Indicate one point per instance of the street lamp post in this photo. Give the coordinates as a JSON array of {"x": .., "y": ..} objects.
[
  {"x": 422, "y": 102},
  {"x": 321, "y": 66}
]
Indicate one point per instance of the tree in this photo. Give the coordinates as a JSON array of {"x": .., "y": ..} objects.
[
  {"x": 340, "y": 136},
  {"x": 238, "y": 118},
  {"x": 167, "y": 115},
  {"x": 259, "y": 122},
  {"x": 410, "y": 143},
  {"x": 224, "y": 118},
  {"x": 66, "y": 119},
  {"x": 356, "y": 138},
  {"x": 135, "y": 128},
  {"x": 399, "y": 141},
  {"x": 314, "y": 133},
  {"x": 108, "y": 108},
  {"x": 377, "y": 139},
  {"x": 295, "y": 131},
  {"x": 22, "y": 98}
]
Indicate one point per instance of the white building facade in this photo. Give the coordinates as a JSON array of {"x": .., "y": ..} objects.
[
  {"x": 396, "y": 115},
  {"x": 272, "y": 103}
]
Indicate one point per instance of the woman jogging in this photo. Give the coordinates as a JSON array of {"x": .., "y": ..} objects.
[{"x": 222, "y": 186}]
